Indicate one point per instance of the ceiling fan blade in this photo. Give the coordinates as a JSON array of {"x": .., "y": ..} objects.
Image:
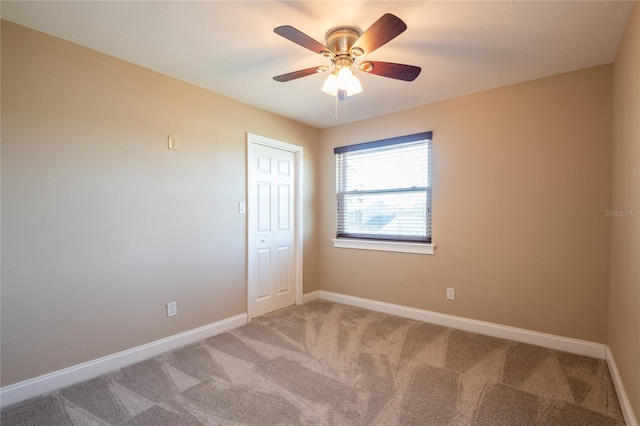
[
  {"x": 298, "y": 37},
  {"x": 381, "y": 32},
  {"x": 300, "y": 73},
  {"x": 391, "y": 70}
]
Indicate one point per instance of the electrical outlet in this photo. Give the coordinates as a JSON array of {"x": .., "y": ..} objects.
[
  {"x": 172, "y": 309},
  {"x": 173, "y": 143},
  {"x": 451, "y": 293}
]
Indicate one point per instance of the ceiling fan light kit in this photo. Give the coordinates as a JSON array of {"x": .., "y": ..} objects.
[
  {"x": 344, "y": 80},
  {"x": 344, "y": 46}
]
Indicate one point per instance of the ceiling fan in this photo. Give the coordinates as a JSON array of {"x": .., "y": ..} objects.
[{"x": 344, "y": 48}]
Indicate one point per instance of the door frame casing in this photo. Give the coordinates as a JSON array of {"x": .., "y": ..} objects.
[{"x": 253, "y": 139}]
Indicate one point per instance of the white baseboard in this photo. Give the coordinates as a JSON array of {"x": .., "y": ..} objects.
[
  {"x": 580, "y": 347},
  {"x": 59, "y": 379},
  {"x": 310, "y": 297},
  {"x": 88, "y": 370},
  {"x": 567, "y": 344},
  {"x": 625, "y": 404}
]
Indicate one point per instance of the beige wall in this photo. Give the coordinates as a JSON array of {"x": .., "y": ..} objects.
[
  {"x": 102, "y": 225},
  {"x": 624, "y": 310},
  {"x": 521, "y": 179}
]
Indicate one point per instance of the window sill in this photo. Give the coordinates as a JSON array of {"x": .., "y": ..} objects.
[{"x": 417, "y": 248}]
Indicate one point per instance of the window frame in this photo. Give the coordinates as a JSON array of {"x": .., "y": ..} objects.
[{"x": 395, "y": 243}]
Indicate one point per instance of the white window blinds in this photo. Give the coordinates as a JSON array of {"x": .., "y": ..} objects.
[{"x": 384, "y": 189}]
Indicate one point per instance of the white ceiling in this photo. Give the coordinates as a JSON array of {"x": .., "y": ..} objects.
[{"x": 229, "y": 47}]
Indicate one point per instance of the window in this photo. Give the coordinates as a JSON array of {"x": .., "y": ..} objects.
[{"x": 384, "y": 190}]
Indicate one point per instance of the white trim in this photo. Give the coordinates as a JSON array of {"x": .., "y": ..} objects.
[
  {"x": 78, "y": 373},
  {"x": 623, "y": 398},
  {"x": 567, "y": 344},
  {"x": 310, "y": 297},
  {"x": 401, "y": 247},
  {"x": 298, "y": 152}
]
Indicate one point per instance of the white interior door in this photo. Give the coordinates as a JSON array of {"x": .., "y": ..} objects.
[{"x": 272, "y": 203}]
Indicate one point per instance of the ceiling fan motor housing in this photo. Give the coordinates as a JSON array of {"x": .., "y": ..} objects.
[{"x": 340, "y": 40}]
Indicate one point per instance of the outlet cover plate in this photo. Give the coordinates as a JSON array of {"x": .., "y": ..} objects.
[
  {"x": 172, "y": 309},
  {"x": 173, "y": 143}
]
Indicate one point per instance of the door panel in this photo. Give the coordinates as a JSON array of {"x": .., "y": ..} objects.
[
  {"x": 283, "y": 280},
  {"x": 284, "y": 210},
  {"x": 263, "y": 204},
  {"x": 264, "y": 273},
  {"x": 272, "y": 263},
  {"x": 284, "y": 168}
]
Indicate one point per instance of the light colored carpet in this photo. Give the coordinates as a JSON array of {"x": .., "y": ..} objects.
[{"x": 330, "y": 364}]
